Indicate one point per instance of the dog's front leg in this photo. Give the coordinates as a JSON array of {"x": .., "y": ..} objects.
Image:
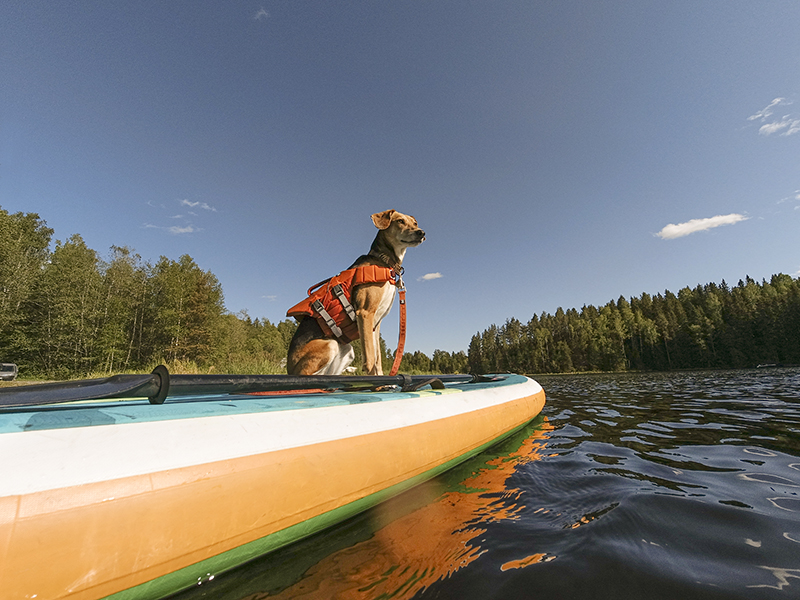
[
  {"x": 376, "y": 340},
  {"x": 366, "y": 325}
]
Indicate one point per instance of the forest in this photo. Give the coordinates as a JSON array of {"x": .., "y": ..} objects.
[
  {"x": 709, "y": 326},
  {"x": 67, "y": 312}
]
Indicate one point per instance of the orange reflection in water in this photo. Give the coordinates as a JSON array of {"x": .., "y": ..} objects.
[
  {"x": 528, "y": 560},
  {"x": 413, "y": 551}
]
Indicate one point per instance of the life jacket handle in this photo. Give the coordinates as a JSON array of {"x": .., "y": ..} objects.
[{"x": 317, "y": 285}]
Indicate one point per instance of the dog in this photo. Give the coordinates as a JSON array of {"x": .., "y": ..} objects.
[{"x": 312, "y": 351}]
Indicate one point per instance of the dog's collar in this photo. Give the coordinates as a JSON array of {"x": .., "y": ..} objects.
[{"x": 394, "y": 266}]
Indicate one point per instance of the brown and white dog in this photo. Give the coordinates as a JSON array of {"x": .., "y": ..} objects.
[{"x": 311, "y": 352}]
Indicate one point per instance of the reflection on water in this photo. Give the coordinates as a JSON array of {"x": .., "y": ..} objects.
[
  {"x": 635, "y": 486},
  {"x": 414, "y": 550},
  {"x": 410, "y": 542}
]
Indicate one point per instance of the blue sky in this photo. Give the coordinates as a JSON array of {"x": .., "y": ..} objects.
[{"x": 557, "y": 153}]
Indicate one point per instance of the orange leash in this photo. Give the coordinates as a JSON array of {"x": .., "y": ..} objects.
[{"x": 401, "y": 340}]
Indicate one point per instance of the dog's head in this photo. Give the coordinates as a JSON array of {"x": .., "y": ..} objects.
[{"x": 400, "y": 231}]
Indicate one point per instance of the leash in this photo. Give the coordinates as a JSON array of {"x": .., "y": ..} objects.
[
  {"x": 401, "y": 289},
  {"x": 401, "y": 339}
]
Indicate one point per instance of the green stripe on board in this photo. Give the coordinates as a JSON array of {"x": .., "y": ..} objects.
[{"x": 199, "y": 572}]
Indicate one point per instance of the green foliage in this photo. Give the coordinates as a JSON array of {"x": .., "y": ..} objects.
[
  {"x": 61, "y": 315},
  {"x": 186, "y": 306},
  {"x": 67, "y": 313},
  {"x": 251, "y": 346},
  {"x": 710, "y": 326},
  {"x": 442, "y": 362},
  {"x": 24, "y": 242},
  {"x": 124, "y": 293}
]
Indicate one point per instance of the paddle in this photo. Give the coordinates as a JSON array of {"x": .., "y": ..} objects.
[{"x": 159, "y": 384}]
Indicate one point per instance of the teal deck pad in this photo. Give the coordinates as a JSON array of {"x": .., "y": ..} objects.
[{"x": 90, "y": 413}]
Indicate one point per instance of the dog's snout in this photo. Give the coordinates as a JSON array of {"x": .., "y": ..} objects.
[{"x": 421, "y": 233}]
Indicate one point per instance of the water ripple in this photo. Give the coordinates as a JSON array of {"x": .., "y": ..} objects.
[{"x": 703, "y": 474}]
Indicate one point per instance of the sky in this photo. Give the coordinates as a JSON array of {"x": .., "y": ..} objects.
[{"x": 557, "y": 153}]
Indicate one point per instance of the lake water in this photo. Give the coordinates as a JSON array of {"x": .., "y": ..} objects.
[{"x": 676, "y": 486}]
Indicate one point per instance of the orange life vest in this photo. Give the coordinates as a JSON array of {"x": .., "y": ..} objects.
[{"x": 329, "y": 301}]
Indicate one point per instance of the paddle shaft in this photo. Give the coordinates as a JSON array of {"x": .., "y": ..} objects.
[{"x": 159, "y": 384}]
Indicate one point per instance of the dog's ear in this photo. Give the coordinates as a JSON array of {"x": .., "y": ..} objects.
[{"x": 383, "y": 219}]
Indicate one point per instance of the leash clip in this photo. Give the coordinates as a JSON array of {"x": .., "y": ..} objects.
[{"x": 398, "y": 280}]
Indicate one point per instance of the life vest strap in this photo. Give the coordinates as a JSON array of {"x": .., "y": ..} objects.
[
  {"x": 320, "y": 310},
  {"x": 348, "y": 308}
]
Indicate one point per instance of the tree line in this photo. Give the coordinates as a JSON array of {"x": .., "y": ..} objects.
[
  {"x": 710, "y": 326},
  {"x": 67, "y": 312}
]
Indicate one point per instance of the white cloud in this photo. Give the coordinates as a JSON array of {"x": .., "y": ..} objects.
[
  {"x": 181, "y": 227},
  {"x": 672, "y": 231},
  {"x": 261, "y": 14},
  {"x": 767, "y": 112},
  {"x": 175, "y": 229},
  {"x": 787, "y": 124},
  {"x": 202, "y": 205},
  {"x": 429, "y": 276},
  {"x": 795, "y": 196},
  {"x": 791, "y": 126},
  {"x": 270, "y": 298}
]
